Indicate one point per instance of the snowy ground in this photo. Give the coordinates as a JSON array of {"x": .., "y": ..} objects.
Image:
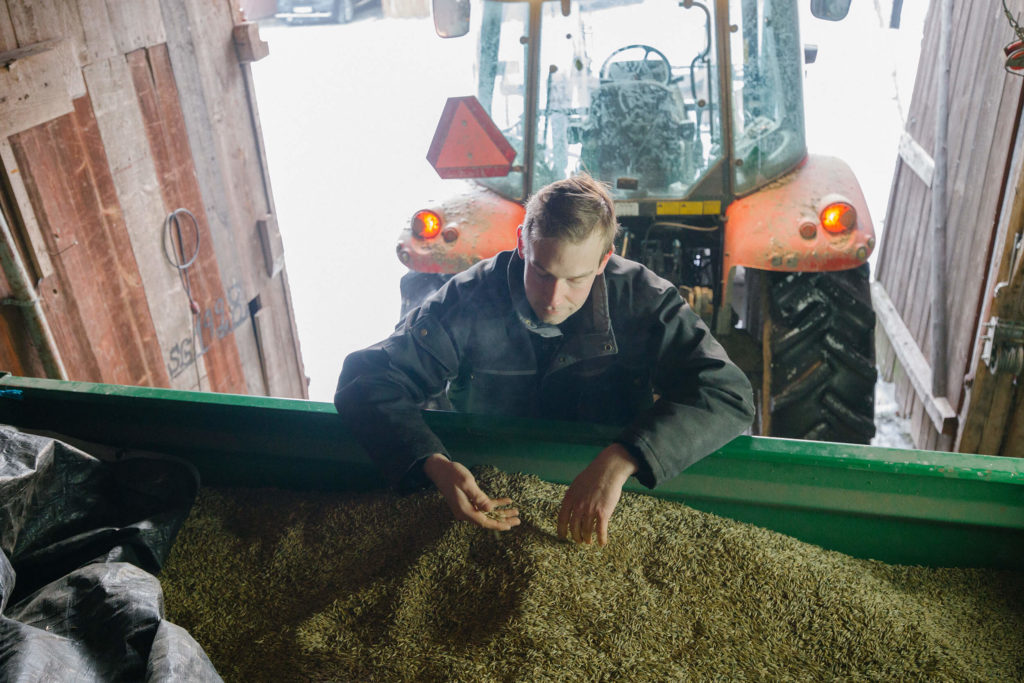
[{"x": 348, "y": 112}]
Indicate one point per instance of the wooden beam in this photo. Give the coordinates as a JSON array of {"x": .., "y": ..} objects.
[
  {"x": 273, "y": 247},
  {"x": 136, "y": 24},
  {"x": 97, "y": 33},
  {"x": 198, "y": 97},
  {"x": 24, "y": 221},
  {"x": 916, "y": 158},
  {"x": 34, "y": 84},
  {"x": 42, "y": 20},
  {"x": 988, "y": 403},
  {"x": 122, "y": 128},
  {"x": 248, "y": 44},
  {"x": 8, "y": 41},
  {"x": 941, "y": 413}
]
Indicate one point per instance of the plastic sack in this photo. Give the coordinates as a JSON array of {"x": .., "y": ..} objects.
[{"x": 81, "y": 540}]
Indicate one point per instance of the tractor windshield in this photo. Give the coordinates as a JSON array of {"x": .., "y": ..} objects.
[
  {"x": 629, "y": 91},
  {"x": 767, "y": 91}
]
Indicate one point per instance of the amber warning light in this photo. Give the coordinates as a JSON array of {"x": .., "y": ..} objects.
[
  {"x": 838, "y": 217},
  {"x": 426, "y": 224}
]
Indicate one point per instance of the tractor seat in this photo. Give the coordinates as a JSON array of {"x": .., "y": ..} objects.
[{"x": 635, "y": 129}]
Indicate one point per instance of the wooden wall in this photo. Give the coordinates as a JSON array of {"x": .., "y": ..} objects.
[
  {"x": 984, "y": 114},
  {"x": 113, "y": 114}
]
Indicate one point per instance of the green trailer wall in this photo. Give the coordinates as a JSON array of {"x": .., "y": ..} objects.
[{"x": 898, "y": 506}]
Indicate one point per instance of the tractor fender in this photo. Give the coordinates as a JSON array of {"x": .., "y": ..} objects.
[
  {"x": 779, "y": 227},
  {"x": 476, "y": 223}
]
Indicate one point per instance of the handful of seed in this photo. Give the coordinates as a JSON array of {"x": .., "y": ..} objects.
[
  {"x": 495, "y": 514},
  {"x": 280, "y": 585}
]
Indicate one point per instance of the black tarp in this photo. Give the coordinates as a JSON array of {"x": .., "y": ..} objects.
[{"x": 81, "y": 541}]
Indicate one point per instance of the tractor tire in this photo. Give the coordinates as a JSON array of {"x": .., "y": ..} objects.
[
  {"x": 416, "y": 287},
  {"x": 818, "y": 340}
]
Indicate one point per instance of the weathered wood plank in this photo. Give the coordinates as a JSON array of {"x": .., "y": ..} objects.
[
  {"x": 8, "y": 41},
  {"x": 979, "y": 130},
  {"x": 34, "y": 87},
  {"x": 220, "y": 312},
  {"x": 1013, "y": 443},
  {"x": 273, "y": 246},
  {"x": 93, "y": 302},
  {"x": 284, "y": 363},
  {"x": 903, "y": 274},
  {"x": 920, "y": 426},
  {"x": 248, "y": 44},
  {"x": 223, "y": 116},
  {"x": 914, "y": 287},
  {"x": 939, "y": 411},
  {"x": 198, "y": 114},
  {"x": 916, "y": 158},
  {"x": 24, "y": 216},
  {"x": 978, "y": 186},
  {"x": 35, "y": 21},
  {"x": 981, "y": 411},
  {"x": 999, "y": 411},
  {"x": 885, "y": 356},
  {"x": 47, "y": 186},
  {"x": 136, "y": 24},
  {"x": 113, "y": 304},
  {"x": 97, "y": 33},
  {"x": 123, "y": 134}
]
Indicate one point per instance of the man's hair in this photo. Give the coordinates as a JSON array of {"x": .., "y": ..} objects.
[{"x": 571, "y": 210}]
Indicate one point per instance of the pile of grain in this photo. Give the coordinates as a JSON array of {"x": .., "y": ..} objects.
[{"x": 284, "y": 586}]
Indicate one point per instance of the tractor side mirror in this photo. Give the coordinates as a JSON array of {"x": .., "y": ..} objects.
[
  {"x": 830, "y": 10},
  {"x": 451, "y": 18}
]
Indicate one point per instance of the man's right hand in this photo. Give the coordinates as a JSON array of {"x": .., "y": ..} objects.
[{"x": 467, "y": 502}]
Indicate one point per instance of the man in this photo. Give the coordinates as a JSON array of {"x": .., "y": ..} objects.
[{"x": 559, "y": 328}]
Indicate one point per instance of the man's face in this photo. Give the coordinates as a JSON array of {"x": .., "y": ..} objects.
[{"x": 559, "y": 274}]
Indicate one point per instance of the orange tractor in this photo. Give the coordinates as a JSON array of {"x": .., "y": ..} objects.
[{"x": 692, "y": 113}]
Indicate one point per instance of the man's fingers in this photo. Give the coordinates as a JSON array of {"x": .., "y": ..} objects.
[
  {"x": 578, "y": 519},
  {"x": 564, "y": 515},
  {"x": 478, "y": 499},
  {"x": 602, "y": 531},
  {"x": 501, "y": 514},
  {"x": 501, "y": 519}
]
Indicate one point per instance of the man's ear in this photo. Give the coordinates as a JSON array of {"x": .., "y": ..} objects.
[
  {"x": 519, "y": 243},
  {"x": 604, "y": 260}
]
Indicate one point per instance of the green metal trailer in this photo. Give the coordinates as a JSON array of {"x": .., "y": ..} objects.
[{"x": 898, "y": 506}]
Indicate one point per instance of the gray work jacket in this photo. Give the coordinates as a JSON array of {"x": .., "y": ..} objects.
[{"x": 634, "y": 355}]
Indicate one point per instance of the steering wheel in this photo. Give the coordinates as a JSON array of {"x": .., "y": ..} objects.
[{"x": 644, "y": 71}]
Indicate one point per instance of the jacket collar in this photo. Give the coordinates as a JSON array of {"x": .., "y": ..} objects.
[{"x": 589, "y": 330}]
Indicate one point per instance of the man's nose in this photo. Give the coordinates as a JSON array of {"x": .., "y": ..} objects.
[{"x": 555, "y": 292}]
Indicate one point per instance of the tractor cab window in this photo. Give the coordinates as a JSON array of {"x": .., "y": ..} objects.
[
  {"x": 501, "y": 80},
  {"x": 767, "y": 91},
  {"x": 627, "y": 92}
]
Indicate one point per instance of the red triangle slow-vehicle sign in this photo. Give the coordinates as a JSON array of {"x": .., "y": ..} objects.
[{"x": 467, "y": 144}]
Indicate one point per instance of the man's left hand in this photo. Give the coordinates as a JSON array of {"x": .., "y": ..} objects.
[{"x": 593, "y": 495}]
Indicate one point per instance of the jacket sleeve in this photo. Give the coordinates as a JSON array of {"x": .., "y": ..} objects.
[
  {"x": 704, "y": 399},
  {"x": 381, "y": 392}
]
